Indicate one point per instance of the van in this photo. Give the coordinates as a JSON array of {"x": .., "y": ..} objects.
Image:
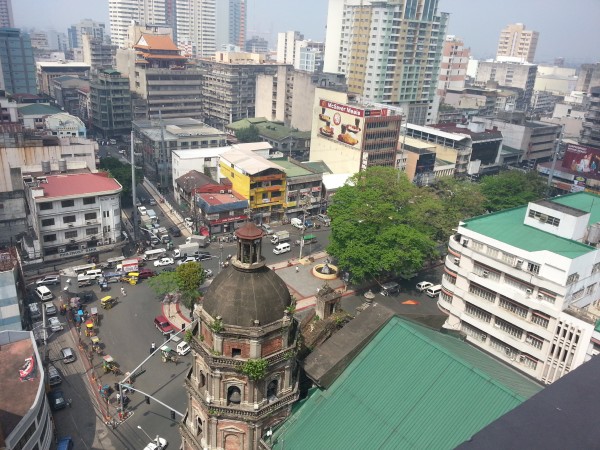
[
  {"x": 391, "y": 288},
  {"x": 434, "y": 291},
  {"x": 34, "y": 311},
  {"x": 297, "y": 223},
  {"x": 282, "y": 248},
  {"x": 44, "y": 293},
  {"x": 53, "y": 376},
  {"x": 94, "y": 273}
]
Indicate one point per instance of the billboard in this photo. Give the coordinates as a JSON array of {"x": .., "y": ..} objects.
[
  {"x": 344, "y": 123},
  {"x": 583, "y": 161}
]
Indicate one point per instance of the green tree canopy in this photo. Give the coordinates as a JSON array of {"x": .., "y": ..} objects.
[
  {"x": 186, "y": 280},
  {"x": 374, "y": 230},
  {"x": 512, "y": 188},
  {"x": 248, "y": 134},
  {"x": 122, "y": 173}
]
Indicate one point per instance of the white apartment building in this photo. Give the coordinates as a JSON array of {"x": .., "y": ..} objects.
[
  {"x": 72, "y": 214},
  {"x": 523, "y": 284},
  {"x": 309, "y": 56},
  {"x": 196, "y": 22},
  {"x": 517, "y": 44},
  {"x": 286, "y": 46},
  {"x": 122, "y": 12},
  {"x": 203, "y": 160}
]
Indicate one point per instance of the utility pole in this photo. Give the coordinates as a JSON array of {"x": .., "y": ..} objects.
[
  {"x": 162, "y": 147},
  {"x": 133, "y": 193},
  {"x": 304, "y": 202}
]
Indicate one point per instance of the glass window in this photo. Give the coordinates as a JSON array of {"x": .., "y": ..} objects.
[
  {"x": 67, "y": 203},
  {"x": 90, "y": 216},
  {"x": 47, "y": 222},
  {"x": 89, "y": 200},
  {"x": 45, "y": 206},
  {"x": 69, "y": 219},
  {"x": 50, "y": 238}
]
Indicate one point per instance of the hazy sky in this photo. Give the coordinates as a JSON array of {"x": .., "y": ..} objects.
[{"x": 567, "y": 28}]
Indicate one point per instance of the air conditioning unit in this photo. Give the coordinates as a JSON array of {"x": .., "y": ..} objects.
[
  {"x": 496, "y": 324},
  {"x": 541, "y": 296},
  {"x": 519, "y": 263},
  {"x": 465, "y": 242},
  {"x": 483, "y": 337},
  {"x": 485, "y": 274},
  {"x": 456, "y": 260},
  {"x": 522, "y": 358},
  {"x": 221, "y": 192},
  {"x": 543, "y": 218},
  {"x": 528, "y": 292}
]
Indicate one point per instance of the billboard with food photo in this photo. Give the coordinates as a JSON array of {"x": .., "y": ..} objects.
[
  {"x": 342, "y": 123},
  {"x": 582, "y": 160}
]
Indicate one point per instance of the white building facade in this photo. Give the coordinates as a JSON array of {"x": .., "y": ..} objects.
[
  {"x": 73, "y": 214},
  {"x": 522, "y": 284},
  {"x": 122, "y": 12},
  {"x": 196, "y": 24}
]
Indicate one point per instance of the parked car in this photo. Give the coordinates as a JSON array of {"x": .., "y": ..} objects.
[
  {"x": 188, "y": 222},
  {"x": 152, "y": 202},
  {"x": 297, "y": 223},
  {"x": 203, "y": 256},
  {"x": 162, "y": 324},
  {"x": 187, "y": 259},
  {"x": 57, "y": 400},
  {"x": 146, "y": 273},
  {"x": 324, "y": 219},
  {"x": 54, "y": 324},
  {"x": 68, "y": 355},
  {"x": 162, "y": 444},
  {"x": 422, "y": 285},
  {"x": 142, "y": 210},
  {"x": 175, "y": 231},
  {"x": 163, "y": 262},
  {"x": 267, "y": 228},
  {"x": 391, "y": 288},
  {"x": 309, "y": 223},
  {"x": 48, "y": 280},
  {"x": 50, "y": 309}
]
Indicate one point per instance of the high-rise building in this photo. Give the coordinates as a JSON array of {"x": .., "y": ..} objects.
[
  {"x": 453, "y": 70},
  {"x": 589, "y": 76},
  {"x": 17, "y": 63},
  {"x": 122, "y": 12},
  {"x": 111, "y": 103},
  {"x": 6, "y": 14},
  {"x": 590, "y": 133},
  {"x": 286, "y": 46},
  {"x": 196, "y": 23},
  {"x": 97, "y": 53},
  {"x": 390, "y": 52},
  {"x": 96, "y": 30},
  {"x": 309, "y": 56},
  {"x": 517, "y": 44},
  {"x": 509, "y": 74},
  {"x": 256, "y": 44}
]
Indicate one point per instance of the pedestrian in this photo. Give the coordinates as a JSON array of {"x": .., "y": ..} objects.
[
  {"x": 123, "y": 293},
  {"x": 69, "y": 402},
  {"x": 297, "y": 269},
  {"x": 152, "y": 348}
]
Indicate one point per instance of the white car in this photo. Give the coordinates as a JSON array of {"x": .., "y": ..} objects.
[
  {"x": 50, "y": 309},
  {"x": 164, "y": 262},
  {"x": 162, "y": 444},
  {"x": 421, "y": 286},
  {"x": 267, "y": 229},
  {"x": 188, "y": 222},
  {"x": 54, "y": 324},
  {"x": 142, "y": 210},
  {"x": 187, "y": 259},
  {"x": 208, "y": 273},
  {"x": 48, "y": 279}
]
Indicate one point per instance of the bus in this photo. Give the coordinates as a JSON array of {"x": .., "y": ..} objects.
[
  {"x": 157, "y": 253},
  {"x": 84, "y": 268}
]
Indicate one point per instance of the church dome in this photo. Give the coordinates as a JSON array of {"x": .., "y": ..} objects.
[{"x": 247, "y": 290}]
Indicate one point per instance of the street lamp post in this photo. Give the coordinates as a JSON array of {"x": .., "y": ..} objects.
[{"x": 155, "y": 440}]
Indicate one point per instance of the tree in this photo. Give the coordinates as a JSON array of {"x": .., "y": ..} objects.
[
  {"x": 512, "y": 188},
  {"x": 122, "y": 173},
  {"x": 248, "y": 134},
  {"x": 186, "y": 280},
  {"x": 374, "y": 230}
]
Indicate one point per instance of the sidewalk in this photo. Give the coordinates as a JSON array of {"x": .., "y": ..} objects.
[
  {"x": 302, "y": 284},
  {"x": 166, "y": 208}
]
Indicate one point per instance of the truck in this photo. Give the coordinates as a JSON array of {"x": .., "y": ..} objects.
[
  {"x": 279, "y": 237},
  {"x": 152, "y": 215},
  {"x": 184, "y": 250},
  {"x": 129, "y": 265},
  {"x": 202, "y": 241}
]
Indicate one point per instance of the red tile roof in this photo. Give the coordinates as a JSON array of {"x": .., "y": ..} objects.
[
  {"x": 68, "y": 185},
  {"x": 221, "y": 199},
  {"x": 156, "y": 42}
]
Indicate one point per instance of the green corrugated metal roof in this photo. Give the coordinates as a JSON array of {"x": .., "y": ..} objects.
[
  {"x": 318, "y": 166},
  {"x": 38, "y": 109},
  {"x": 411, "y": 387},
  {"x": 508, "y": 227},
  {"x": 291, "y": 169},
  {"x": 245, "y": 123}
]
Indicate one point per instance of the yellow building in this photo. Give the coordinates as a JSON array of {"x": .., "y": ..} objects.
[{"x": 260, "y": 181}]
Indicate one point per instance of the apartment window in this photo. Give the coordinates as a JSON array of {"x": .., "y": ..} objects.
[
  {"x": 596, "y": 267},
  {"x": 573, "y": 278},
  {"x": 544, "y": 218},
  {"x": 89, "y": 200},
  {"x": 508, "y": 328},
  {"x": 479, "y": 313},
  {"x": 517, "y": 284},
  {"x": 91, "y": 216},
  {"x": 105, "y": 214},
  {"x": 512, "y": 307},
  {"x": 50, "y": 238},
  {"x": 590, "y": 289},
  {"x": 578, "y": 294},
  {"x": 477, "y": 246},
  {"x": 107, "y": 229},
  {"x": 547, "y": 296},
  {"x": 67, "y": 203},
  {"x": 71, "y": 234},
  {"x": 482, "y": 292},
  {"x": 540, "y": 319},
  {"x": 69, "y": 219},
  {"x": 492, "y": 252},
  {"x": 446, "y": 297},
  {"x": 533, "y": 268},
  {"x": 45, "y": 206},
  {"x": 47, "y": 222},
  {"x": 91, "y": 231},
  {"x": 534, "y": 340}
]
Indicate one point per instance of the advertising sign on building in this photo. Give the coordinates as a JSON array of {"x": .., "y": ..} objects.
[
  {"x": 344, "y": 123},
  {"x": 583, "y": 161}
]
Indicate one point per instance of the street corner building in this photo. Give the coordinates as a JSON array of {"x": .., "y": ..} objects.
[
  {"x": 244, "y": 377},
  {"x": 71, "y": 213}
]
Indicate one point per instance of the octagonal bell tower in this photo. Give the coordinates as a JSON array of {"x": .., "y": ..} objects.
[{"x": 244, "y": 375}]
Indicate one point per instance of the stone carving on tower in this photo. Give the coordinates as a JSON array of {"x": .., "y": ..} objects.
[{"x": 244, "y": 377}]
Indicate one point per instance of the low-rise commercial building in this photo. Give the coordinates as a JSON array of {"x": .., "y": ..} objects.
[
  {"x": 304, "y": 188},
  {"x": 522, "y": 284},
  {"x": 509, "y": 74},
  {"x": 47, "y": 71},
  {"x": 71, "y": 213},
  {"x": 65, "y": 125},
  {"x": 64, "y": 91},
  {"x": 24, "y": 411}
]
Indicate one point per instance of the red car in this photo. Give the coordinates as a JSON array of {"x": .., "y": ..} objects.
[
  {"x": 163, "y": 325},
  {"x": 146, "y": 273}
]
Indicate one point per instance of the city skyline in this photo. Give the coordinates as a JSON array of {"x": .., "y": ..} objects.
[{"x": 573, "y": 40}]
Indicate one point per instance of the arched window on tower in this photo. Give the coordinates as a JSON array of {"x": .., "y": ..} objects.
[
  {"x": 201, "y": 380},
  {"x": 234, "y": 395},
  {"x": 198, "y": 426},
  {"x": 272, "y": 389}
]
